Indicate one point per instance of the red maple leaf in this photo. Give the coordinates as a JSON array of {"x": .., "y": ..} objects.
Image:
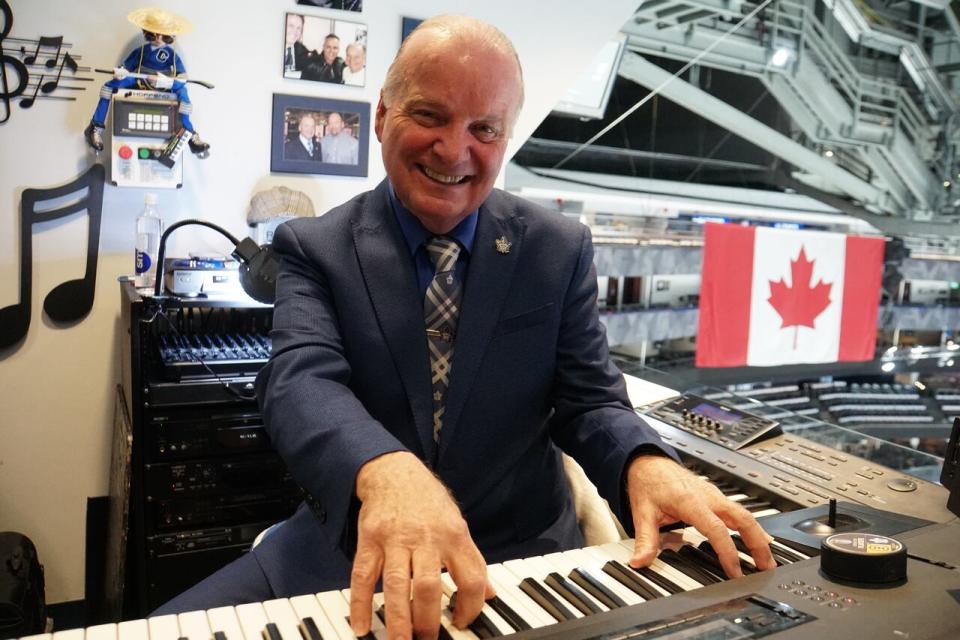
[{"x": 800, "y": 304}]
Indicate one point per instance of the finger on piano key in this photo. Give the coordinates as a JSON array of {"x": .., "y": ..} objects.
[
  {"x": 337, "y": 612},
  {"x": 657, "y": 565},
  {"x": 506, "y": 585},
  {"x": 281, "y": 613},
  {"x": 104, "y": 632},
  {"x": 554, "y": 576},
  {"x": 696, "y": 539},
  {"x": 194, "y": 625},
  {"x": 502, "y": 625},
  {"x": 783, "y": 555},
  {"x": 70, "y": 634},
  {"x": 309, "y": 607},
  {"x": 224, "y": 620},
  {"x": 594, "y": 567},
  {"x": 253, "y": 620},
  {"x": 378, "y": 627},
  {"x": 483, "y": 626},
  {"x": 689, "y": 568},
  {"x": 656, "y": 590},
  {"x": 163, "y": 628},
  {"x": 529, "y": 570},
  {"x": 446, "y": 622},
  {"x": 746, "y": 563},
  {"x": 133, "y": 630},
  {"x": 705, "y": 560}
]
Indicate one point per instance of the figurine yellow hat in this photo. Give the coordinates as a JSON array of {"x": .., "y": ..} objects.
[{"x": 160, "y": 21}]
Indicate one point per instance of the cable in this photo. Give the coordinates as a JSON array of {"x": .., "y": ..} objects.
[{"x": 659, "y": 88}]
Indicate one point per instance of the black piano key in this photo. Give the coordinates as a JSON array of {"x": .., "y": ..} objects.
[
  {"x": 596, "y": 588},
  {"x": 482, "y": 627},
  {"x": 510, "y": 616},
  {"x": 271, "y": 632},
  {"x": 630, "y": 580},
  {"x": 687, "y": 568},
  {"x": 309, "y": 630},
  {"x": 794, "y": 546},
  {"x": 755, "y": 505},
  {"x": 572, "y": 594},
  {"x": 661, "y": 581},
  {"x": 547, "y": 601},
  {"x": 219, "y": 635},
  {"x": 704, "y": 560},
  {"x": 745, "y": 566}
]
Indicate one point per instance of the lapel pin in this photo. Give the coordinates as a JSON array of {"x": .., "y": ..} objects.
[{"x": 503, "y": 245}]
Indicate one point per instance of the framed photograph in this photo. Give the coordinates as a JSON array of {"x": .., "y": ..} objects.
[
  {"x": 320, "y": 135},
  {"x": 324, "y": 49},
  {"x": 342, "y": 5}
]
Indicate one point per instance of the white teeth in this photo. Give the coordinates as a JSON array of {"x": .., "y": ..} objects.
[{"x": 442, "y": 178}]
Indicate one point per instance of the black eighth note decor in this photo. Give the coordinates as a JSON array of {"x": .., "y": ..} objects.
[{"x": 71, "y": 300}]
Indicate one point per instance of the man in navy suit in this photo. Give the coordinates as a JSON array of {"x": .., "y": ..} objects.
[
  {"x": 304, "y": 146},
  {"x": 350, "y": 403}
]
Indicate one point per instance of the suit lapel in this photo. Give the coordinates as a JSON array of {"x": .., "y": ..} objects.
[
  {"x": 391, "y": 283},
  {"x": 487, "y": 283}
]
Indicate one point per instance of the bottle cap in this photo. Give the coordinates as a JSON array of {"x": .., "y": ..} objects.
[{"x": 150, "y": 198}]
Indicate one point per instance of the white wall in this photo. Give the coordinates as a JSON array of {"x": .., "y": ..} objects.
[{"x": 56, "y": 387}]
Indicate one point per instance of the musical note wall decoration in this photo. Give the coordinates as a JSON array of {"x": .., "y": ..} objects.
[
  {"x": 72, "y": 300},
  {"x": 33, "y": 69}
]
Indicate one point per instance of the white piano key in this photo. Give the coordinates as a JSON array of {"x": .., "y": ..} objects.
[
  {"x": 133, "y": 630},
  {"x": 194, "y": 625},
  {"x": 450, "y": 587},
  {"x": 765, "y": 512},
  {"x": 506, "y": 585},
  {"x": 280, "y": 613},
  {"x": 71, "y": 634},
  {"x": 777, "y": 545},
  {"x": 738, "y": 497},
  {"x": 588, "y": 562},
  {"x": 162, "y": 628},
  {"x": 39, "y": 636},
  {"x": 103, "y": 632},
  {"x": 377, "y": 627},
  {"x": 446, "y": 620},
  {"x": 309, "y": 607},
  {"x": 529, "y": 568},
  {"x": 225, "y": 620},
  {"x": 253, "y": 620},
  {"x": 338, "y": 612},
  {"x": 677, "y": 577}
]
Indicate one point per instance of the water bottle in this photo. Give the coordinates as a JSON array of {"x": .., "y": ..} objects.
[{"x": 149, "y": 228}]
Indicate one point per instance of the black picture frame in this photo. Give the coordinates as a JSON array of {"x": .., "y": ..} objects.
[{"x": 288, "y": 111}]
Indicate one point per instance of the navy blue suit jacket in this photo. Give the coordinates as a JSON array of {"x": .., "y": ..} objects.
[{"x": 349, "y": 379}]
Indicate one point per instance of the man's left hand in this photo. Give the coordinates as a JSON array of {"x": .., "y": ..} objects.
[{"x": 662, "y": 492}]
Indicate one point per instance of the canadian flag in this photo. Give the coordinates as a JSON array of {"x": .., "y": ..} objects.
[{"x": 774, "y": 296}]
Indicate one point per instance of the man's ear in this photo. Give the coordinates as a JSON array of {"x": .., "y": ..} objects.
[{"x": 381, "y": 114}]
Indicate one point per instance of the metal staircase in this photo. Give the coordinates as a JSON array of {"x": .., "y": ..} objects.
[{"x": 905, "y": 139}]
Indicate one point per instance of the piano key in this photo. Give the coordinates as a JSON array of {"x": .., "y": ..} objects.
[
  {"x": 378, "y": 629},
  {"x": 535, "y": 569},
  {"x": 337, "y": 611},
  {"x": 547, "y": 600},
  {"x": 69, "y": 634},
  {"x": 578, "y": 558},
  {"x": 280, "y": 612},
  {"x": 506, "y": 585},
  {"x": 107, "y": 632},
  {"x": 271, "y": 632},
  {"x": 253, "y": 620},
  {"x": 224, "y": 620},
  {"x": 688, "y": 568},
  {"x": 309, "y": 607},
  {"x": 765, "y": 512},
  {"x": 788, "y": 546},
  {"x": 39, "y": 636},
  {"x": 573, "y": 594},
  {"x": 755, "y": 505},
  {"x": 747, "y": 566},
  {"x": 738, "y": 497},
  {"x": 696, "y": 539},
  {"x": 194, "y": 625},
  {"x": 503, "y": 626},
  {"x": 446, "y": 622},
  {"x": 666, "y": 576},
  {"x": 133, "y": 630},
  {"x": 163, "y": 628},
  {"x": 704, "y": 560},
  {"x": 586, "y": 581},
  {"x": 507, "y": 613},
  {"x": 488, "y": 624},
  {"x": 631, "y": 580}
]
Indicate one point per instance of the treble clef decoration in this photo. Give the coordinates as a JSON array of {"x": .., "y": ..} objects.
[{"x": 9, "y": 64}]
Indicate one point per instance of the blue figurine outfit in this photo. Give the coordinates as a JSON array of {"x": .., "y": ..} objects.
[{"x": 148, "y": 58}]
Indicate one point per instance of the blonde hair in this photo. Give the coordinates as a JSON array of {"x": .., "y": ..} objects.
[{"x": 448, "y": 28}]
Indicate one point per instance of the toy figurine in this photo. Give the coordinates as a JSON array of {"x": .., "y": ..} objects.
[{"x": 164, "y": 69}]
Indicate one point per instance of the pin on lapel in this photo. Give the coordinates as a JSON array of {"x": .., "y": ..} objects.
[{"x": 502, "y": 245}]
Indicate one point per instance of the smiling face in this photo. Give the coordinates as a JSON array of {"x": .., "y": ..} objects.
[
  {"x": 334, "y": 123},
  {"x": 331, "y": 49},
  {"x": 307, "y": 126},
  {"x": 294, "y": 27},
  {"x": 356, "y": 58},
  {"x": 445, "y": 134}
]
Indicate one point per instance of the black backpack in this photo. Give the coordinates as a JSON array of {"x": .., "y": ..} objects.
[{"x": 22, "y": 600}]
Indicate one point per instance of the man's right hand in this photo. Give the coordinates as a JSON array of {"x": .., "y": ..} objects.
[{"x": 409, "y": 530}]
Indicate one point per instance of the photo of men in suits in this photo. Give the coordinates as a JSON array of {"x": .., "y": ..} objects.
[
  {"x": 303, "y": 145},
  {"x": 436, "y": 346}
]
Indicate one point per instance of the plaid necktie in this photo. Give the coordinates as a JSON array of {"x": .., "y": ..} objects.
[{"x": 441, "y": 307}]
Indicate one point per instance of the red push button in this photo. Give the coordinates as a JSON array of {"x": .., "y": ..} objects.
[{"x": 125, "y": 152}]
